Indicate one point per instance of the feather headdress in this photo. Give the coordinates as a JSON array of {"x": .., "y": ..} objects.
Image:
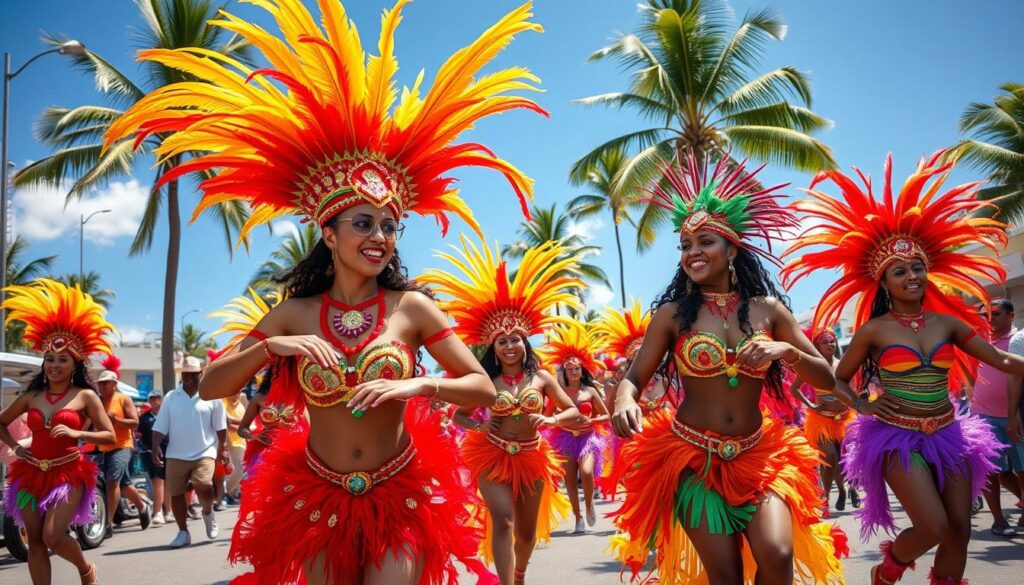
[
  {"x": 318, "y": 130},
  {"x": 572, "y": 342},
  {"x": 58, "y": 318},
  {"x": 622, "y": 331},
  {"x": 485, "y": 303},
  {"x": 241, "y": 315}
]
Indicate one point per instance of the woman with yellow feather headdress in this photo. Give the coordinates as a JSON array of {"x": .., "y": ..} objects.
[
  {"x": 897, "y": 253},
  {"x": 720, "y": 493},
  {"x": 52, "y": 485},
  {"x": 318, "y": 133},
  {"x": 514, "y": 467},
  {"x": 571, "y": 348}
]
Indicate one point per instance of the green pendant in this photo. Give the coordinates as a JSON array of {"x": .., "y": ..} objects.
[
  {"x": 358, "y": 413},
  {"x": 734, "y": 381}
]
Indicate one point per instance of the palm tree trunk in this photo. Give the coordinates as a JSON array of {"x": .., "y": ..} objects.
[
  {"x": 622, "y": 270},
  {"x": 170, "y": 284}
]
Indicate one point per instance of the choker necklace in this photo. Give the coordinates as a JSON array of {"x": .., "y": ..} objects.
[
  {"x": 57, "y": 397},
  {"x": 351, "y": 321},
  {"x": 913, "y": 321},
  {"x": 721, "y": 304},
  {"x": 365, "y": 316},
  {"x": 513, "y": 381}
]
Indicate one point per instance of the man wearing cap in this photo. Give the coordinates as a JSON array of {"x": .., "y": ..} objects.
[
  {"x": 116, "y": 462},
  {"x": 156, "y": 474},
  {"x": 197, "y": 432}
]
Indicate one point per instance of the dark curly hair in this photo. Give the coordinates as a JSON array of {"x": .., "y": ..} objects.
[
  {"x": 80, "y": 378},
  {"x": 753, "y": 282},
  {"x": 492, "y": 365},
  {"x": 314, "y": 274}
]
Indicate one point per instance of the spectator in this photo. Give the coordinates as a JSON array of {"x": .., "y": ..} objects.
[
  {"x": 156, "y": 474},
  {"x": 234, "y": 409},
  {"x": 116, "y": 458},
  {"x": 991, "y": 402},
  {"x": 197, "y": 433}
]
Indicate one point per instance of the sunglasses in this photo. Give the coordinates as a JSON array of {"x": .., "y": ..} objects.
[{"x": 365, "y": 226}]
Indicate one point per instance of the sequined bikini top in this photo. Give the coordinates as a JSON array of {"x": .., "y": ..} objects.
[
  {"x": 704, "y": 355},
  {"x": 906, "y": 373},
  {"x": 392, "y": 360},
  {"x": 43, "y": 445},
  {"x": 528, "y": 401}
]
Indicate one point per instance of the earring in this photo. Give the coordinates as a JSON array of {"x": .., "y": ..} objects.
[{"x": 732, "y": 274}]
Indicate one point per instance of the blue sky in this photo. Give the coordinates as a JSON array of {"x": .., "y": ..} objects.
[{"x": 893, "y": 76}]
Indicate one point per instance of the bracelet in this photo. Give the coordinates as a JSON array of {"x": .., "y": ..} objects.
[
  {"x": 799, "y": 356},
  {"x": 266, "y": 349},
  {"x": 437, "y": 389}
]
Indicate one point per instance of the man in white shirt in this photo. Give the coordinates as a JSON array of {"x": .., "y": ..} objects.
[{"x": 196, "y": 430}]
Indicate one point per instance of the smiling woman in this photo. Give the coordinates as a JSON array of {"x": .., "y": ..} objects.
[{"x": 314, "y": 134}]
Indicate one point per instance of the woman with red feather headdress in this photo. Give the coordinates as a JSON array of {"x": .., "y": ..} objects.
[
  {"x": 52, "y": 485},
  {"x": 515, "y": 468},
  {"x": 718, "y": 492},
  {"x": 324, "y": 133},
  {"x": 898, "y": 253}
]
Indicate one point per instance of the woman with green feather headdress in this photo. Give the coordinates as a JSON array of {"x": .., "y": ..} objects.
[{"x": 719, "y": 493}]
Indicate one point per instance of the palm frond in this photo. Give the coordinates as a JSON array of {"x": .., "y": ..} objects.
[
  {"x": 782, "y": 146},
  {"x": 781, "y": 115},
  {"x": 743, "y": 51},
  {"x": 777, "y": 85},
  {"x": 639, "y": 140},
  {"x": 648, "y": 108},
  {"x": 109, "y": 79},
  {"x": 143, "y": 240},
  {"x": 63, "y": 127}
]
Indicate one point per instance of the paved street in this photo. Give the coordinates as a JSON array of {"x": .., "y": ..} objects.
[{"x": 133, "y": 557}]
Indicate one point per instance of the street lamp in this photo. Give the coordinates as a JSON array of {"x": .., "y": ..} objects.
[
  {"x": 183, "y": 319},
  {"x": 81, "y": 243},
  {"x": 70, "y": 48}
]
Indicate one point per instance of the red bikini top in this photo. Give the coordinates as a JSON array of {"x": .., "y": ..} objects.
[{"x": 43, "y": 445}]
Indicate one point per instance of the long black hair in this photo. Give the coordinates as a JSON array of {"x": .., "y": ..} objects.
[
  {"x": 752, "y": 282},
  {"x": 492, "y": 365},
  {"x": 314, "y": 274},
  {"x": 880, "y": 307},
  {"x": 586, "y": 379},
  {"x": 80, "y": 378}
]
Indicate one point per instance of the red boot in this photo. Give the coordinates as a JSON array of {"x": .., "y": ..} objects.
[
  {"x": 933, "y": 580},
  {"x": 890, "y": 570}
]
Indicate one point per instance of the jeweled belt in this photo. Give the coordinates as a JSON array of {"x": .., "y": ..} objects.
[
  {"x": 726, "y": 449},
  {"x": 513, "y": 447},
  {"x": 583, "y": 431},
  {"x": 922, "y": 424},
  {"x": 48, "y": 464},
  {"x": 358, "y": 483}
]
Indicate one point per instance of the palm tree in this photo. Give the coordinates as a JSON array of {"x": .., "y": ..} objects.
[
  {"x": 90, "y": 285},
  {"x": 548, "y": 225},
  {"x": 699, "y": 87},
  {"x": 78, "y": 162},
  {"x": 21, "y": 272},
  {"x": 998, "y": 149},
  {"x": 287, "y": 256},
  {"x": 607, "y": 196},
  {"x": 193, "y": 341}
]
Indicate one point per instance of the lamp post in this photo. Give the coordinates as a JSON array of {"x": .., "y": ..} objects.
[
  {"x": 81, "y": 243},
  {"x": 182, "y": 329},
  {"x": 70, "y": 48}
]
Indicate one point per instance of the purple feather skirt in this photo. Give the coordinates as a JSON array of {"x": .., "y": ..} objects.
[
  {"x": 965, "y": 447},
  {"x": 29, "y": 488},
  {"x": 576, "y": 448}
]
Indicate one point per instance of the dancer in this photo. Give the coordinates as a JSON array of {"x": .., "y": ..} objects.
[
  {"x": 515, "y": 469},
  {"x": 368, "y": 498},
  {"x": 719, "y": 493},
  {"x": 582, "y": 446},
  {"x": 911, "y": 334},
  {"x": 52, "y": 485},
  {"x": 825, "y": 422},
  {"x": 621, "y": 333}
]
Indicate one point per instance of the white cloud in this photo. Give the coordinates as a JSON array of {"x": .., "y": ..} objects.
[
  {"x": 598, "y": 296},
  {"x": 132, "y": 334},
  {"x": 40, "y": 212},
  {"x": 586, "y": 228},
  {"x": 284, "y": 228}
]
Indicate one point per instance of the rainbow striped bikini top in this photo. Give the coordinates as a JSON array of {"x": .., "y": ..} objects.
[{"x": 906, "y": 373}]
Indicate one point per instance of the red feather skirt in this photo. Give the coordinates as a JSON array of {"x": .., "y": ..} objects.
[{"x": 290, "y": 515}]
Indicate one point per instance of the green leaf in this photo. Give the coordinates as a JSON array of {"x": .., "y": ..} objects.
[{"x": 782, "y": 146}]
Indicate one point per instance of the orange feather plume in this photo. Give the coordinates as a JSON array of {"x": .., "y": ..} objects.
[
  {"x": 622, "y": 331},
  {"x": 58, "y": 318}
]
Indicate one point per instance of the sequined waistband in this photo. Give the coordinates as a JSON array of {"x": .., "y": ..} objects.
[
  {"x": 48, "y": 464},
  {"x": 513, "y": 447},
  {"x": 725, "y": 448},
  {"x": 922, "y": 424},
  {"x": 358, "y": 483}
]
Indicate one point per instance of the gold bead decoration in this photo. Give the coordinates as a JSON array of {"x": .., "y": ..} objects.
[
  {"x": 299, "y": 504},
  {"x": 427, "y": 490},
  {"x": 332, "y": 520},
  {"x": 314, "y": 516},
  {"x": 411, "y": 503},
  {"x": 288, "y": 488}
]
